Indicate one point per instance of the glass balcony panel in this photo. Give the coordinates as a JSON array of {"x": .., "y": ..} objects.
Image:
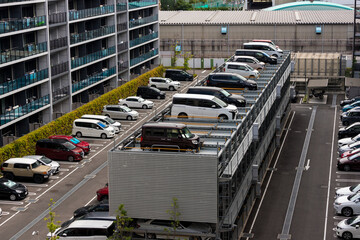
[
  {"x": 123, "y": 45},
  {"x": 21, "y": 24},
  {"x": 58, "y": 43},
  {"x": 92, "y": 57},
  {"x": 61, "y": 93},
  {"x": 59, "y": 68},
  {"x": 121, "y": 6},
  {"x": 143, "y": 57},
  {"x": 143, "y": 39},
  {"x": 29, "y": 78},
  {"x": 57, "y": 18},
  {"x": 90, "y": 12},
  {"x": 122, "y": 27},
  {"x": 93, "y": 79},
  {"x": 123, "y": 65},
  {"x": 142, "y": 21},
  {"x": 20, "y": 111},
  {"x": 80, "y": 37},
  {"x": 19, "y": 53},
  {"x": 142, "y": 3}
]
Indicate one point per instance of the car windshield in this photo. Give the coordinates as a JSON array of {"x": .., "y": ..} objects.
[
  {"x": 226, "y": 93},
  {"x": 250, "y": 68},
  {"x": 69, "y": 146},
  {"x": 126, "y": 109},
  {"x": 354, "y": 197},
  {"x": 75, "y": 140},
  {"x": 185, "y": 132},
  {"x": 353, "y": 220},
  {"x": 255, "y": 60},
  {"x": 45, "y": 160},
  {"x": 266, "y": 54},
  {"x": 352, "y": 157},
  {"x": 355, "y": 151},
  {"x": 355, "y": 188},
  {"x": 9, "y": 184},
  {"x": 355, "y": 144},
  {"x": 35, "y": 164},
  {"x": 220, "y": 102},
  {"x": 101, "y": 124},
  {"x": 109, "y": 120},
  {"x": 141, "y": 99}
]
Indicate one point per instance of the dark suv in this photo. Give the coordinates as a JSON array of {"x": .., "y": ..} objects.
[
  {"x": 59, "y": 149},
  {"x": 350, "y": 131},
  {"x": 258, "y": 54},
  {"x": 178, "y": 75},
  {"x": 230, "y": 80},
  {"x": 150, "y": 93}
]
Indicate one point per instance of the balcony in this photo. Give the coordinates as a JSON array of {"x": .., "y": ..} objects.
[
  {"x": 80, "y": 37},
  {"x": 21, "y": 24},
  {"x": 142, "y": 21},
  {"x": 97, "y": 77},
  {"x": 92, "y": 57},
  {"x": 58, "y": 43},
  {"x": 19, "y": 111},
  {"x": 123, "y": 65},
  {"x": 143, "y": 3},
  {"x": 90, "y": 12},
  {"x": 59, "y": 68},
  {"x": 121, "y": 7},
  {"x": 28, "y": 79},
  {"x": 122, "y": 27},
  {"x": 144, "y": 57},
  {"x": 57, "y": 18},
  {"x": 60, "y": 93},
  {"x": 19, "y": 53},
  {"x": 143, "y": 39}
]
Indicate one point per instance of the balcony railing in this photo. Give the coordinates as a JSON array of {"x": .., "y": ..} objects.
[
  {"x": 57, "y": 18},
  {"x": 60, "y": 93},
  {"x": 23, "y": 110},
  {"x": 58, "y": 43},
  {"x": 121, "y": 7},
  {"x": 143, "y": 57},
  {"x": 59, "y": 68},
  {"x": 80, "y": 37},
  {"x": 92, "y": 57},
  {"x": 28, "y": 79},
  {"x": 93, "y": 79},
  {"x": 21, "y": 24},
  {"x": 19, "y": 53},
  {"x": 143, "y": 39},
  {"x": 142, "y": 21},
  {"x": 122, "y": 27},
  {"x": 90, "y": 12},
  {"x": 122, "y": 46},
  {"x": 142, "y": 3},
  {"x": 11, "y": 1},
  {"x": 123, "y": 65}
]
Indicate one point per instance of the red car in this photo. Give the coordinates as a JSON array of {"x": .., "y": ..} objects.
[
  {"x": 350, "y": 153},
  {"x": 349, "y": 163},
  {"x": 85, "y": 146},
  {"x": 103, "y": 193}
]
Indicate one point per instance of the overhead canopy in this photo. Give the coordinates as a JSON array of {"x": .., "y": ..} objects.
[{"x": 317, "y": 83}]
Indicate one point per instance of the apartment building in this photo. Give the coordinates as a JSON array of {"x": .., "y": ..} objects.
[{"x": 59, "y": 54}]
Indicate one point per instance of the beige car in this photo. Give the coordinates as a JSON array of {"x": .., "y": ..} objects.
[
  {"x": 251, "y": 61},
  {"x": 25, "y": 167}
]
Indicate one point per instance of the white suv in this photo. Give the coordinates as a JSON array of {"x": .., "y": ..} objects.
[{"x": 164, "y": 83}]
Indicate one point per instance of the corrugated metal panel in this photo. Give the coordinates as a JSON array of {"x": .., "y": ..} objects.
[{"x": 146, "y": 184}]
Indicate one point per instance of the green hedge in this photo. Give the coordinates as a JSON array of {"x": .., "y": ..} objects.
[{"x": 25, "y": 145}]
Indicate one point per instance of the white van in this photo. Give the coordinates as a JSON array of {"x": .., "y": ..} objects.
[
  {"x": 108, "y": 121},
  {"x": 242, "y": 69},
  {"x": 85, "y": 229},
  {"x": 266, "y": 47},
  {"x": 92, "y": 128},
  {"x": 202, "y": 106}
]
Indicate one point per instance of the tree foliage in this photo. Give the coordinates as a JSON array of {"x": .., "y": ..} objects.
[
  {"x": 123, "y": 227},
  {"x": 51, "y": 224}
]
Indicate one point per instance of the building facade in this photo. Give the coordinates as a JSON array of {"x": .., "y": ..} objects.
[{"x": 59, "y": 54}]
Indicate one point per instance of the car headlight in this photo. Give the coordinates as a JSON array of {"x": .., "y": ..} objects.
[
  {"x": 19, "y": 191},
  {"x": 195, "y": 142}
]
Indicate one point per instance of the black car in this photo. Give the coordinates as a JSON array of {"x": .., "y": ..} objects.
[
  {"x": 258, "y": 54},
  {"x": 350, "y": 131},
  {"x": 178, "y": 75},
  {"x": 12, "y": 190},
  {"x": 230, "y": 80},
  {"x": 349, "y": 101},
  {"x": 150, "y": 93},
  {"x": 102, "y": 206}
]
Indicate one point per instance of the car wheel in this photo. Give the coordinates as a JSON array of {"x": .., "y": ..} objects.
[
  {"x": 347, "y": 168},
  {"x": 171, "y": 88},
  {"x": 71, "y": 159},
  {"x": 182, "y": 115},
  {"x": 12, "y": 197},
  {"x": 151, "y": 235},
  {"x": 347, "y": 235},
  {"x": 158, "y": 97},
  {"x": 347, "y": 212},
  {"x": 103, "y": 136},
  {"x": 38, "y": 179},
  {"x": 129, "y": 118},
  {"x": 252, "y": 76},
  {"x": 223, "y": 117},
  {"x": 9, "y": 176},
  {"x": 144, "y": 106},
  {"x": 79, "y": 134}
]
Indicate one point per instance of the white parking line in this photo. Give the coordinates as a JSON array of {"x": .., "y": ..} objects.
[
  {"x": 348, "y": 173},
  {"x": 96, "y": 145},
  {"x": 34, "y": 185},
  {"x": 12, "y": 203},
  {"x": 203, "y": 71},
  {"x": 69, "y": 163},
  {"x": 348, "y": 180}
]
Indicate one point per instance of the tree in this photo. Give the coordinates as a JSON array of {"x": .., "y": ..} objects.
[
  {"x": 174, "y": 216},
  {"x": 123, "y": 225},
  {"x": 51, "y": 225},
  {"x": 187, "y": 57},
  {"x": 182, "y": 5},
  {"x": 174, "y": 57}
]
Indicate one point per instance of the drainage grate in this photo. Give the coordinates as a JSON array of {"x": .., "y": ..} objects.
[
  {"x": 32, "y": 200},
  {"x": 248, "y": 235},
  {"x": 272, "y": 169},
  {"x": 90, "y": 176},
  {"x": 284, "y": 236},
  {"x": 20, "y": 209}
]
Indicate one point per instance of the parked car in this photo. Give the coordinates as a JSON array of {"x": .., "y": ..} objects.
[
  {"x": 348, "y": 205},
  {"x": 92, "y": 128},
  {"x": 230, "y": 80},
  {"x": 264, "y": 46},
  {"x": 102, "y": 206},
  {"x": 55, "y": 166},
  {"x": 350, "y": 131},
  {"x": 160, "y": 225},
  {"x": 85, "y": 146},
  {"x": 345, "y": 141},
  {"x": 349, "y": 163},
  {"x": 267, "y": 41},
  {"x": 351, "y": 116},
  {"x": 106, "y": 120},
  {"x": 349, "y": 101},
  {"x": 258, "y": 54},
  {"x": 119, "y": 112},
  {"x": 136, "y": 102},
  {"x": 345, "y": 191},
  {"x": 103, "y": 193},
  {"x": 242, "y": 69},
  {"x": 348, "y": 147},
  {"x": 251, "y": 61},
  {"x": 26, "y": 168},
  {"x": 348, "y": 228},
  {"x": 60, "y": 149},
  {"x": 351, "y": 106},
  {"x": 164, "y": 83},
  {"x": 12, "y": 190},
  {"x": 350, "y": 153},
  {"x": 178, "y": 75},
  {"x": 150, "y": 93},
  {"x": 91, "y": 216}
]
